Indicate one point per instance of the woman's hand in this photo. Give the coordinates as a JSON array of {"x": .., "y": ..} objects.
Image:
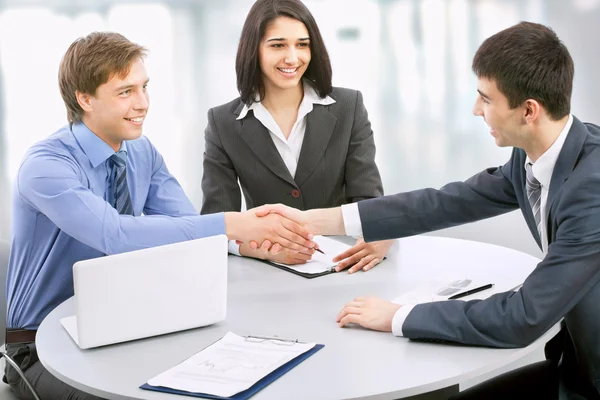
[
  {"x": 276, "y": 254},
  {"x": 363, "y": 255}
]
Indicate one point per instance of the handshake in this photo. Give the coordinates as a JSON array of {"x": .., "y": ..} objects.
[
  {"x": 283, "y": 234},
  {"x": 274, "y": 228}
]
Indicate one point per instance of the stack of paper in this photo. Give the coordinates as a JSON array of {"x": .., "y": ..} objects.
[
  {"x": 437, "y": 290},
  {"x": 230, "y": 365}
]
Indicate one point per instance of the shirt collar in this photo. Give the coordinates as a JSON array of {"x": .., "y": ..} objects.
[
  {"x": 310, "y": 97},
  {"x": 544, "y": 166},
  {"x": 96, "y": 149}
]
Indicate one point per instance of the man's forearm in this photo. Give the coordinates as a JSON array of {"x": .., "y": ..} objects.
[
  {"x": 233, "y": 222},
  {"x": 326, "y": 221}
]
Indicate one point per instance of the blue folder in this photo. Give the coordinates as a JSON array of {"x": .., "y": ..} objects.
[{"x": 252, "y": 390}]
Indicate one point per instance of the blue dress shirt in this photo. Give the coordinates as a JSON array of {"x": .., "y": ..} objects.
[{"x": 61, "y": 216}]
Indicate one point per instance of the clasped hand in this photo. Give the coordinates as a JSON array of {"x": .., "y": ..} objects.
[
  {"x": 287, "y": 233},
  {"x": 360, "y": 256}
]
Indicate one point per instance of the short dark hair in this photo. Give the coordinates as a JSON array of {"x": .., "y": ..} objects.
[
  {"x": 247, "y": 65},
  {"x": 90, "y": 62},
  {"x": 528, "y": 61}
]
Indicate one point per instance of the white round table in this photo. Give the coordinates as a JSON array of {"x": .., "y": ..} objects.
[{"x": 355, "y": 364}]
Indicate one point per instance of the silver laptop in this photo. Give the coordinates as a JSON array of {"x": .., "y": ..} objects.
[{"x": 149, "y": 292}]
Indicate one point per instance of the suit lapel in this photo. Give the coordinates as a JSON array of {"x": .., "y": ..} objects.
[
  {"x": 258, "y": 138},
  {"x": 319, "y": 128},
  {"x": 566, "y": 161}
]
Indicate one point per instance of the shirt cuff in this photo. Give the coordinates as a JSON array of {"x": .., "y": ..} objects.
[
  {"x": 400, "y": 317},
  {"x": 233, "y": 248},
  {"x": 208, "y": 225},
  {"x": 351, "y": 217}
]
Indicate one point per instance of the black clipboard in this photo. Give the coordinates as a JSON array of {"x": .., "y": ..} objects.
[
  {"x": 295, "y": 271},
  {"x": 304, "y": 274}
]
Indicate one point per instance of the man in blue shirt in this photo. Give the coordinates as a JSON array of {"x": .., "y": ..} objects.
[{"x": 80, "y": 194}]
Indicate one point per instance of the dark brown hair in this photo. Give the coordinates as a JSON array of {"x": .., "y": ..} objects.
[
  {"x": 90, "y": 62},
  {"x": 247, "y": 65},
  {"x": 528, "y": 61}
]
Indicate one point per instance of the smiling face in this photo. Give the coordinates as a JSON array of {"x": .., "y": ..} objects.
[
  {"x": 284, "y": 53},
  {"x": 506, "y": 124},
  {"x": 117, "y": 110}
]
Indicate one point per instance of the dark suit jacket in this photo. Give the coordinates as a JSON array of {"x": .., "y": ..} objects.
[
  {"x": 336, "y": 163},
  {"x": 566, "y": 282}
]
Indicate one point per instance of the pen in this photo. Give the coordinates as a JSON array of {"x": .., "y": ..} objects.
[
  {"x": 468, "y": 292},
  {"x": 320, "y": 251}
]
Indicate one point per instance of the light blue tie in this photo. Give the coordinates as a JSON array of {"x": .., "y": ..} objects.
[{"x": 122, "y": 200}]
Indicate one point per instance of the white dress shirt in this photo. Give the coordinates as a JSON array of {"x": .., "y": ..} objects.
[
  {"x": 289, "y": 149},
  {"x": 542, "y": 171}
]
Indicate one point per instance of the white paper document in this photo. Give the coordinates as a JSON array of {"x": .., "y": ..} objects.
[
  {"x": 321, "y": 262},
  {"x": 231, "y": 365},
  {"x": 437, "y": 290}
]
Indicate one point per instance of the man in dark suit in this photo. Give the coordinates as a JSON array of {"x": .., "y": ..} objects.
[{"x": 525, "y": 76}]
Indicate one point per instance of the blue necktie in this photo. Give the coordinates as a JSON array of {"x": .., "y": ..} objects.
[{"x": 122, "y": 201}]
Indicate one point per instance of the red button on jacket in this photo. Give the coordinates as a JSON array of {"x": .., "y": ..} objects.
[{"x": 295, "y": 193}]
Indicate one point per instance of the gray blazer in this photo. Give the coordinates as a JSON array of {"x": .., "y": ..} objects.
[
  {"x": 566, "y": 283},
  {"x": 336, "y": 163}
]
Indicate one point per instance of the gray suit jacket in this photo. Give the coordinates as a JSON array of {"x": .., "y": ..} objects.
[
  {"x": 564, "y": 284},
  {"x": 336, "y": 163}
]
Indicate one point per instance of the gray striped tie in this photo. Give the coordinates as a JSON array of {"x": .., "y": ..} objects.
[
  {"x": 534, "y": 195},
  {"x": 122, "y": 201}
]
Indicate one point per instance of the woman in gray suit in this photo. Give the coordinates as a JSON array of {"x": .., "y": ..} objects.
[{"x": 290, "y": 137}]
